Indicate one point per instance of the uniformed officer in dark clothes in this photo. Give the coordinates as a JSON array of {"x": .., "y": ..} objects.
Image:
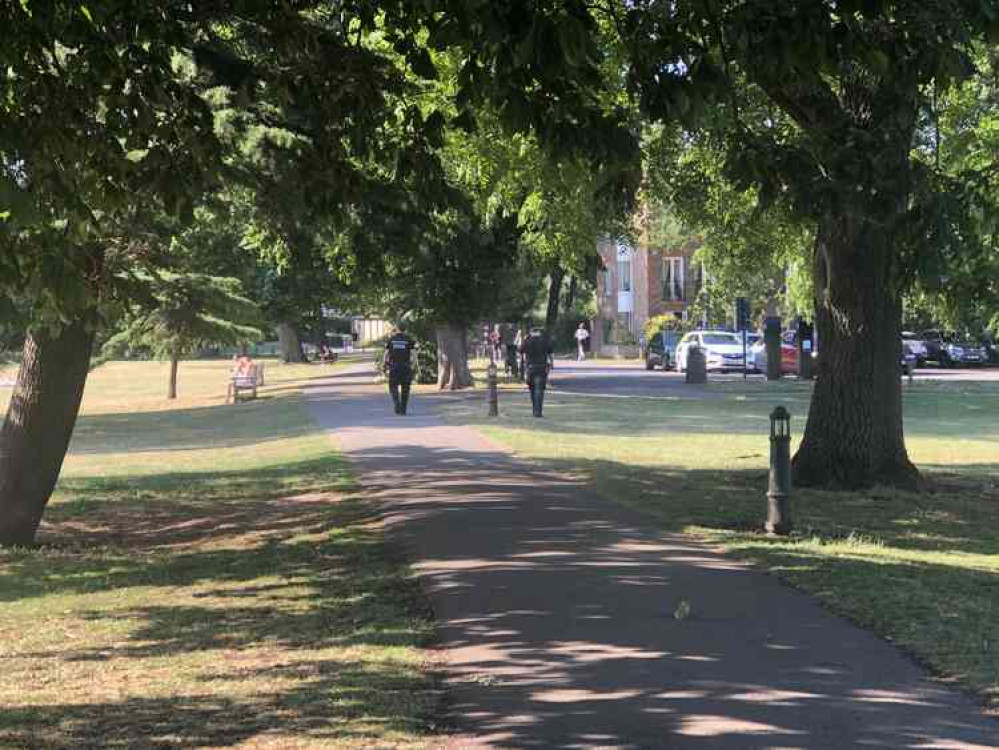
[
  {"x": 398, "y": 360},
  {"x": 507, "y": 336},
  {"x": 537, "y": 351}
]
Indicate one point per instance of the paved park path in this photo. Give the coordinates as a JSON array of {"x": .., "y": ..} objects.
[{"x": 556, "y": 612}]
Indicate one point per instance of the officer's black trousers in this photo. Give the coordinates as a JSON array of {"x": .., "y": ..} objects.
[
  {"x": 537, "y": 381},
  {"x": 511, "y": 363},
  {"x": 400, "y": 378}
]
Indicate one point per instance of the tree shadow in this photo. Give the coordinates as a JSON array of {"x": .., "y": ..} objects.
[
  {"x": 293, "y": 599},
  {"x": 956, "y": 514},
  {"x": 557, "y": 611},
  {"x": 334, "y": 701},
  {"x": 186, "y": 517}
]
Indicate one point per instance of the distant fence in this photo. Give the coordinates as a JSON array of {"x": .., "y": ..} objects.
[{"x": 263, "y": 349}]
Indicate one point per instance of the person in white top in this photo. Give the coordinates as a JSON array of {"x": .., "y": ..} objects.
[{"x": 581, "y": 336}]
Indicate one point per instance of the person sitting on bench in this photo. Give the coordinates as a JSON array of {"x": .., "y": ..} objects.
[
  {"x": 244, "y": 366},
  {"x": 245, "y": 377}
]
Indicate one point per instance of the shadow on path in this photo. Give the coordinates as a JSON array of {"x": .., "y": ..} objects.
[{"x": 562, "y": 616}]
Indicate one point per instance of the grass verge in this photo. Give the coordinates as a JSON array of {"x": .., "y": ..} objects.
[
  {"x": 919, "y": 569},
  {"x": 205, "y": 578}
]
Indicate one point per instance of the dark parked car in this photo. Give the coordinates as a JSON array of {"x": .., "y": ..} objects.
[
  {"x": 909, "y": 361},
  {"x": 947, "y": 350},
  {"x": 659, "y": 352}
]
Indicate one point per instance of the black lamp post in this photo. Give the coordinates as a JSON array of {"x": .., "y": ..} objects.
[
  {"x": 779, "y": 491},
  {"x": 493, "y": 391}
]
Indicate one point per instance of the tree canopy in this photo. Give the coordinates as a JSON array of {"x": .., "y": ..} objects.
[{"x": 438, "y": 144}]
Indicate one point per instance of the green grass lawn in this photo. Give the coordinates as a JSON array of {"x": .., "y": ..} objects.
[
  {"x": 206, "y": 578},
  {"x": 920, "y": 569}
]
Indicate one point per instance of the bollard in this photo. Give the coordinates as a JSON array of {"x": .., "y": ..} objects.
[
  {"x": 697, "y": 366},
  {"x": 804, "y": 351},
  {"x": 771, "y": 340},
  {"x": 779, "y": 491},
  {"x": 493, "y": 391},
  {"x": 805, "y": 359}
]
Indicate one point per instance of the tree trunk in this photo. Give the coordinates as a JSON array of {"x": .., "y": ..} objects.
[
  {"x": 174, "y": 364},
  {"x": 854, "y": 438},
  {"x": 570, "y": 295},
  {"x": 554, "y": 292},
  {"x": 452, "y": 354},
  {"x": 39, "y": 425},
  {"x": 291, "y": 344},
  {"x": 320, "y": 328}
]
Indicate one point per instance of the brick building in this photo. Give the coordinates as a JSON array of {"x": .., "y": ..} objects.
[{"x": 638, "y": 283}]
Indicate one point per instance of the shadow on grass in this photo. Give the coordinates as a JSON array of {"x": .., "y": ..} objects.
[
  {"x": 958, "y": 514},
  {"x": 176, "y": 516},
  {"x": 293, "y": 595},
  {"x": 333, "y": 702},
  {"x": 269, "y": 574}
]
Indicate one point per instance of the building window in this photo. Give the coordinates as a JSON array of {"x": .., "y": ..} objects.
[
  {"x": 623, "y": 267},
  {"x": 624, "y": 274},
  {"x": 673, "y": 279},
  {"x": 608, "y": 283}
]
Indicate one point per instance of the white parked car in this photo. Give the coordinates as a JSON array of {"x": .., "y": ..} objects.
[{"x": 722, "y": 349}]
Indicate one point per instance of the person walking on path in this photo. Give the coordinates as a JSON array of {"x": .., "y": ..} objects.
[
  {"x": 398, "y": 360},
  {"x": 537, "y": 350},
  {"x": 495, "y": 339},
  {"x": 508, "y": 340},
  {"x": 518, "y": 343},
  {"x": 581, "y": 336}
]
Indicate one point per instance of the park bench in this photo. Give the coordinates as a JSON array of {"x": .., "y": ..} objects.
[{"x": 247, "y": 382}]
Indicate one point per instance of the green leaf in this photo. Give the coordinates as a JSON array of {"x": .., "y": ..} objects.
[
  {"x": 465, "y": 121},
  {"x": 435, "y": 129},
  {"x": 422, "y": 65}
]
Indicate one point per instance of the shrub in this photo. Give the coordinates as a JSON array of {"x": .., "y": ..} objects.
[
  {"x": 664, "y": 322},
  {"x": 425, "y": 370}
]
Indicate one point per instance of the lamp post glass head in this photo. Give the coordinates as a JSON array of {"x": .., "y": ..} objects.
[{"x": 780, "y": 423}]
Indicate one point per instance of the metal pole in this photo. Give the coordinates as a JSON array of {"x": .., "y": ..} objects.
[
  {"x": 493, "y": 390},
  {"x": 744, "y": 363}
]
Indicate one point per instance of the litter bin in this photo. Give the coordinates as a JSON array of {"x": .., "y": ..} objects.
[
  {"x": 697, "y": 366},
  {"x": 804, "y": 351}
]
